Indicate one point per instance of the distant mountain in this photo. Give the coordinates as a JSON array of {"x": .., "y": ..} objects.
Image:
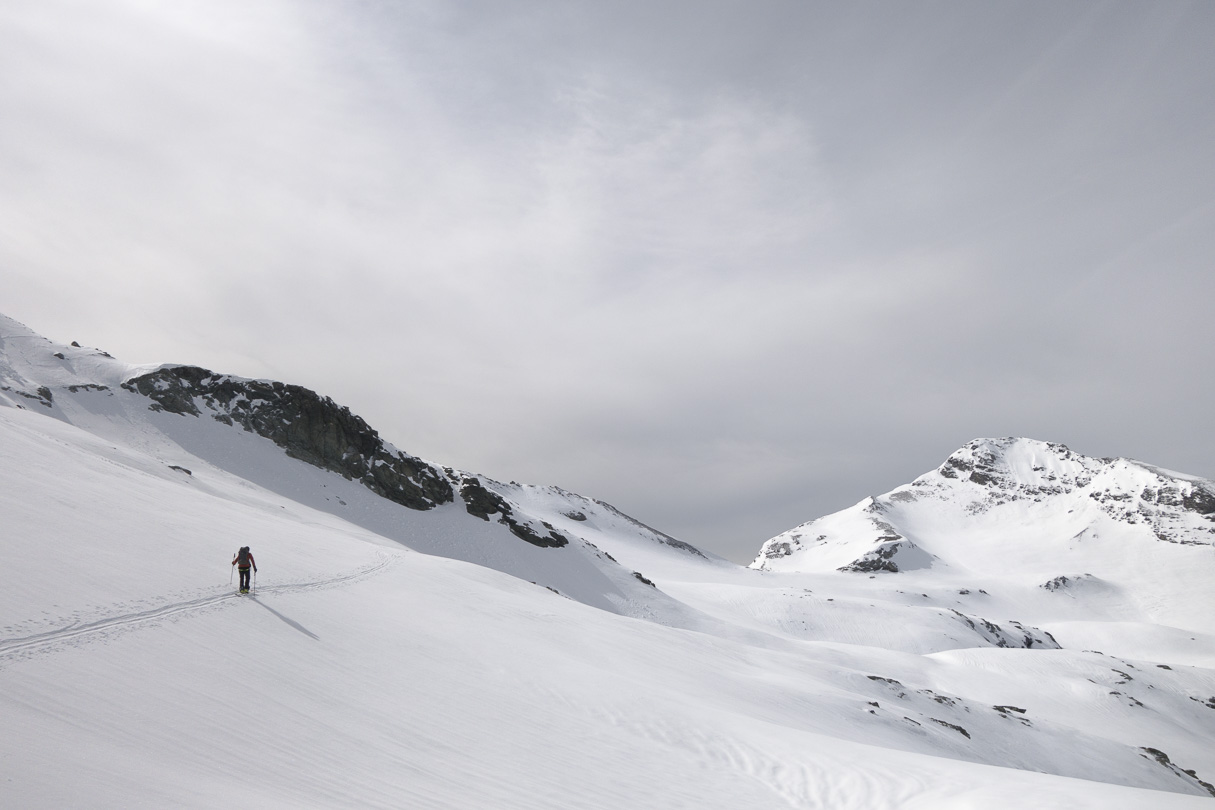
[{"x": 1010, "y": 501}]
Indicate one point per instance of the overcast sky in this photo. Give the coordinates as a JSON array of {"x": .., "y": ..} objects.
[{"x": 728, "y": 266}]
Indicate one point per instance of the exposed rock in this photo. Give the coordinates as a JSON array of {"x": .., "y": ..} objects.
[
  {"x": 895, "y": 686},
  {"x": 777, "y": 550},
  {"x": 891, "y": 681},
  {"x": 315, "y": 429},
  {"x": 1060, "y": 583},
  {"x": 1189, "y": 775},
  {"x": 985, "y": 475},
  {"x": 1199, "y": 500},
  {"x": 554, "y": 538},
  {"x": 956, "y": 728},
  {"x": 982, "y": 479},
  {"x": 995, "y": 634},
  {"x": 880, "y": 559},
  {"x": 43, "y": 396},
  {"x": 893, "y": 554},
  {"x": 307, "y": 426},
  {"x": 480, "y": 502},
  {"x": 172, "y": 389},
  {"x": 944, "y": 700},
  {"x": 484, "y": 503}
]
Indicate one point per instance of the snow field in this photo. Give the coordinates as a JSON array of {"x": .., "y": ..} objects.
[
  {"x": 436, "y": 684},
  {"x": 487, "y": 672}
]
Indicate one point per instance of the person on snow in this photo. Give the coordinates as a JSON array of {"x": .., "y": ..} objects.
[{"x": 243, "y": 560}]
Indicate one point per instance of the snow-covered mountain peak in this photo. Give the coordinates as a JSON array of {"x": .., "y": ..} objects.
[
  {"x": 992, "y": 492},
  {"x": 1128, "y": 491},
  {"x": 1015, "y": 468},
  {"x": 1017, "y": 463}
]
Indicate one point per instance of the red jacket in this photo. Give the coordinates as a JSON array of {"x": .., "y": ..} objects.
[{"x": 246, "y": 567}]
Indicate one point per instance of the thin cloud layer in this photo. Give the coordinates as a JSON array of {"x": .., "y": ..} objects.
[{"x": 727, "y": 267}]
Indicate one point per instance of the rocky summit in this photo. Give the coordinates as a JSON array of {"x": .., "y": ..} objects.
[{"x": 1025, "y": 491}]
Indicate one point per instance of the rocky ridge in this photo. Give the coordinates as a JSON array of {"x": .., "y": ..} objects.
[
  {"x": 1127, "y": 491},
  {"x": 316, "y": 430},
  {"x": 308, "y": 426},
  {"x": 978, "y": 485}
]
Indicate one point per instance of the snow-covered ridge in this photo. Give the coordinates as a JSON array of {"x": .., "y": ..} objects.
[
  {"x": 212, "y": 416},
  {"x": 306, "y": 425},
  {"x": 989, "y": 483},
  {"x": 1127, "y": 490},
  {"x": 32, "y": 368}
]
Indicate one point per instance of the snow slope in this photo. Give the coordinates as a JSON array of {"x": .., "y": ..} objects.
[
  {"x": 1072, "y": 543},
  {"x": 366, "y": 674},
  {"x": 85, "y": 388}
]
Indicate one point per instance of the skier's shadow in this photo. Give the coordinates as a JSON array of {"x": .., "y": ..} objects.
[{"x": 291, "y": 622}]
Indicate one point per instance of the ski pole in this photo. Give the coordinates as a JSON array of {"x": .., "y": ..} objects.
[
  {"x": 231, "y": 570},
  {"x": 255, "y": 580}
]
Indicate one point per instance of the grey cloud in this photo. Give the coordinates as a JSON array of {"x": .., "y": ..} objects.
[{"x": 728, "y": 266}]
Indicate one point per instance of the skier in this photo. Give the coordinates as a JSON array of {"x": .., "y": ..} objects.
[{"x": 242, "y": 561}]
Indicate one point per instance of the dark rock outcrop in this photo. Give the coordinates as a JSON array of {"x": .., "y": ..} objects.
[
  {"x": 1020, "y": 637},
  {"x": 42, "y": 397},
  {"x": 1199, "y": 500},
  {"x": 643, "y": 579},
  {"x": 484, "y": 503},
  {"x": 880, "y": 559},
  {"x": 1185, "y": 773},
  {"x": 307, "y": 426},
  {"x": 1063, "y": 582}
]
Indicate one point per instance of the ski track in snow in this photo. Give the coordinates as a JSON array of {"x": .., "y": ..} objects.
[
  {"x": 741, "y": 689},
  {"x": 19, "y": 649}
]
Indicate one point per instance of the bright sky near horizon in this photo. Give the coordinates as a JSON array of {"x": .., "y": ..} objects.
[{"x": 727, "y": 266}]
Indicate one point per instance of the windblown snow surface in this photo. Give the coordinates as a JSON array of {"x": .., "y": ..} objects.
[{"x": 1023, "y": 627}]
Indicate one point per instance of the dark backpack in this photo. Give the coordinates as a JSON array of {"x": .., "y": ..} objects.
[{"x": 242, "y": 557}]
